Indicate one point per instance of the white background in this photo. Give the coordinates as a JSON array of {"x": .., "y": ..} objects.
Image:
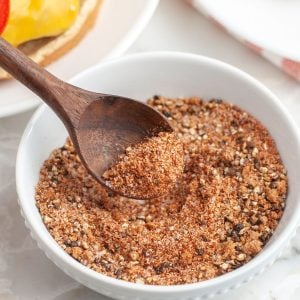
[{"x": 26, "y": 273}]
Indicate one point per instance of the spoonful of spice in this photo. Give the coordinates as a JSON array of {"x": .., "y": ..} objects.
[{"x": 125, "y": 144}]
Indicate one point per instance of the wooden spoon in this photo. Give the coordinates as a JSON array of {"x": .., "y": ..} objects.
[{"x": 100, "y": 126}]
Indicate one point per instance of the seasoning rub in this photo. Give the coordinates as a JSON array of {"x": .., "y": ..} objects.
[{"x": 216, "y": 218}]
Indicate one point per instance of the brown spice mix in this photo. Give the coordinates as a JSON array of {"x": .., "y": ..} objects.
[
  {"x": 149, "y": 169},
  {"x": 217, "y": 217}
]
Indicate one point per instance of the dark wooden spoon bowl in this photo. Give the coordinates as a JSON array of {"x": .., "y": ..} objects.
[{"x": 100, "y": 126}]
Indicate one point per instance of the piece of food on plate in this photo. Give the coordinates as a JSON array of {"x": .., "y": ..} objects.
[{"x": 46, "y": 29}]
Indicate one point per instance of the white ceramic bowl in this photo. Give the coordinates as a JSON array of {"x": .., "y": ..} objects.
[{"x": 171, "y": 74}]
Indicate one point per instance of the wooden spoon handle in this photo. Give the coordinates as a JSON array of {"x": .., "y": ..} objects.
[{"x": 61, "y": 97}]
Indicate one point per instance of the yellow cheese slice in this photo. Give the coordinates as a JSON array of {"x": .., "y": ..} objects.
[{"x": 33, "y": 19}]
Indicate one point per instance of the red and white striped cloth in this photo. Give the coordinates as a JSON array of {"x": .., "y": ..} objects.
[{"x": 289, "y": 66}]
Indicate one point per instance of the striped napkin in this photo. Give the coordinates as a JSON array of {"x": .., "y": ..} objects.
[{"x": 289, "y": 66}]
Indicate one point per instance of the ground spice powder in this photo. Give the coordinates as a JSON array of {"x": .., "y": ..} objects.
[
  {"x": 149, "y": 169},
  {"x": 218, "y": 216}
]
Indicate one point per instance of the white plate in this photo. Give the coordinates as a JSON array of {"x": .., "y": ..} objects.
[
  {"x": 118, "y": 25},
  {"x": 273, "y": 25}
]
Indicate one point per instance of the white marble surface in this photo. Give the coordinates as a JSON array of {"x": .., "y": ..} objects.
[{"x": 26, "y": 273}]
